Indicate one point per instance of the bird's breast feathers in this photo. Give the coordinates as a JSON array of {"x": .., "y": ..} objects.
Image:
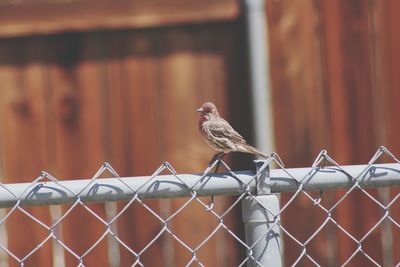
[{"x": 222, "y": 129}]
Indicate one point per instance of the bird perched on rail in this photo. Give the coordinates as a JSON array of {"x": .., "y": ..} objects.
[{"x": 220, "y": 135}]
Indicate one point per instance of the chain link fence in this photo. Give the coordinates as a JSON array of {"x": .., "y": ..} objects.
[{"x": 266, "y": 196}]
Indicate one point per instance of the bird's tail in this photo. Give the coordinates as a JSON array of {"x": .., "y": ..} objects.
[{"x": 255, "y": 151}]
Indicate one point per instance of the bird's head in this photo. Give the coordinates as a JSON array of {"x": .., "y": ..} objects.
[{"x": 208, "y": 110}]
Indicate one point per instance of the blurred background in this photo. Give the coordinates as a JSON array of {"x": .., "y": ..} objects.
[{"x": 88, "y": 81}]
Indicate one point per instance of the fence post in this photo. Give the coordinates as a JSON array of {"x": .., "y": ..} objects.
[{"x": 260, "y": 216}]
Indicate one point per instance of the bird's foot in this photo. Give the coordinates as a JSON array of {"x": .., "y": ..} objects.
[{"x": 217, "y": 157}]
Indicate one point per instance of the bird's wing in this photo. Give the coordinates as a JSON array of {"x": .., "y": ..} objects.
[{"x": 222, "y": 129}]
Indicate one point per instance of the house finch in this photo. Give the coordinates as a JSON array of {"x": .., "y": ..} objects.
[{"x": 220, "y": 135}]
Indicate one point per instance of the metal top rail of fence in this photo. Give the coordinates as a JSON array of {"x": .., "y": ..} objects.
[{"x": 255, "y": 190}]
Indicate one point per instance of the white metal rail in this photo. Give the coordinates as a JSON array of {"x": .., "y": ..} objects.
[{"x": 179, "y": 185}]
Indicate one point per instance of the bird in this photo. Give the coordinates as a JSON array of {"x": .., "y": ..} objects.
[{"x": 220, "y": 135}]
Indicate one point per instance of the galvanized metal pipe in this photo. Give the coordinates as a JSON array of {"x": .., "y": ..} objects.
[
  {"x": 260, "y": 84},
  {"x": 169, "y": 186},
  {"x": 262, "y": 230},
  {"x": 261, "y": 217}
]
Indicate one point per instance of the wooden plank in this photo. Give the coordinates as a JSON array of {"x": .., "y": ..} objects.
[
  {"x": 339, "y": 121},
  {"x": 348, "y": 62},
  {"x": 389, "y": 81},
  {"x": 392, "y": 40},
  {"x": 336, "y": 91},
  {"x": 23, "y": 135},
  {"x": 33, "y": 17},
  {"x": 387, "y": 59},
  {"x": 301, "y": 114},
  {"x": 348, "y": 86},
  {"x": 76, "y": 101},
  {"x": 298, "y": 89},
  {"x": 132, "y": 69}
]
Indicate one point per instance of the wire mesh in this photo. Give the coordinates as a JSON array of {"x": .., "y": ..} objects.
[{"x": 318, "y": 228}]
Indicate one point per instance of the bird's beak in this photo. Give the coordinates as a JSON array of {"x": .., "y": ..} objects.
[{"x": 200, "y": 110}]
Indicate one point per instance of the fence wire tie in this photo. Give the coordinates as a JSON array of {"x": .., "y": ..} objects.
[
  {"x": 277, "y": 159},
  {"x": 215, "y": 161},
  {"x": 210, "y": 204},
  {"x": 320, "y": 162}
]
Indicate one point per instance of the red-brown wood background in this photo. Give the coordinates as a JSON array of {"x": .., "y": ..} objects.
[{"x": 121, "y": 84}]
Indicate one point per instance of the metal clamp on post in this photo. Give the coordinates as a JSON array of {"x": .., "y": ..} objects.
[
  {"x": 262, "y": 178},
  {"x": 261, "y": 220}
]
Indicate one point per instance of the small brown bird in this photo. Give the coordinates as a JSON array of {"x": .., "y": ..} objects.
[{"x": 220, "y": 135}]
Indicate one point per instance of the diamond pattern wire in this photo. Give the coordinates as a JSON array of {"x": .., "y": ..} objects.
[{"x": 248, "y": 189}]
